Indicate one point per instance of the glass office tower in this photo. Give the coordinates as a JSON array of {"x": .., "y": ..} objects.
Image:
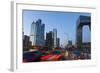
[{"x": 37, "y": 33}]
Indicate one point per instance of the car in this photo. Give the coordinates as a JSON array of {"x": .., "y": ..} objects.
[
  {"x": 44, "y": 58},
  {"x": 33, "y": 56},
  {"x": 51, "y": 57}
]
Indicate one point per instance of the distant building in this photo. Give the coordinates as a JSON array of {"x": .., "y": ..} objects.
[
  {"x": 69, "y": 45},
  {"x": 51, "y": 39},
  {"x": 37, "y": 33},
  {"x": 58, "y": 42},
  {"x": 69, "y": 42},
  {"x": 26, "y": 43},
  {"x": 55, "y": 37}
]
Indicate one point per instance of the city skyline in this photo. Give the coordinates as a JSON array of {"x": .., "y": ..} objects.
[{"x": 64, "y": 22}]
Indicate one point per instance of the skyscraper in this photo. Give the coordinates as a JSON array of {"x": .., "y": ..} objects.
[
  {"x": 37, "y": 33},
  {"x": 26, "y": 43},
  {"x": 58, "y": 42},
  {"x": 51, "y": 39},
  {"x": 55, "y": 37}
]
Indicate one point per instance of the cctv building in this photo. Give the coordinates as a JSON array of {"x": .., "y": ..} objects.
[{"x": 37, "y": 33}]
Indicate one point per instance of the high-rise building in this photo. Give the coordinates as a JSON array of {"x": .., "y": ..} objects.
[
  {"x": 37, "y": 33},
  {"x": 69, "y": 45},
  {"x": 55, "y": 37},
  {"x": 42, "y": 34},
  {"x": 26, "y": 43},
  {"x": 51, "y": 39},
  {"x": 58, "y": 42}
]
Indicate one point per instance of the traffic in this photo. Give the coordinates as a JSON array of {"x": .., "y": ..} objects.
[{"x": 37, "y": 55}]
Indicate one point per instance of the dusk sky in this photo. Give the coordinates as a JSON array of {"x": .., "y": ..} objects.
[{"x": 64, "y": 22}]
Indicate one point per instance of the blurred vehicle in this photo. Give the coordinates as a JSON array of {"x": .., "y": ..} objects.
[
  {"x": 51, "y": 57},
  {"x": 56, "y": 57},
  {"x": 46, "y": 57},
  {"x": 31, "y": 56}
]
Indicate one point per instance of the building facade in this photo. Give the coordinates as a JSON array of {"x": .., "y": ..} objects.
[
  {"x": 51, "y": 39},
  {"x": 55, "y": 37},
  {"x": 58, "y": 42},
  {"x": 81, "y": 22},
  {"x": 26, "y": 43},
  {"x": 37, "y": 33}
]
